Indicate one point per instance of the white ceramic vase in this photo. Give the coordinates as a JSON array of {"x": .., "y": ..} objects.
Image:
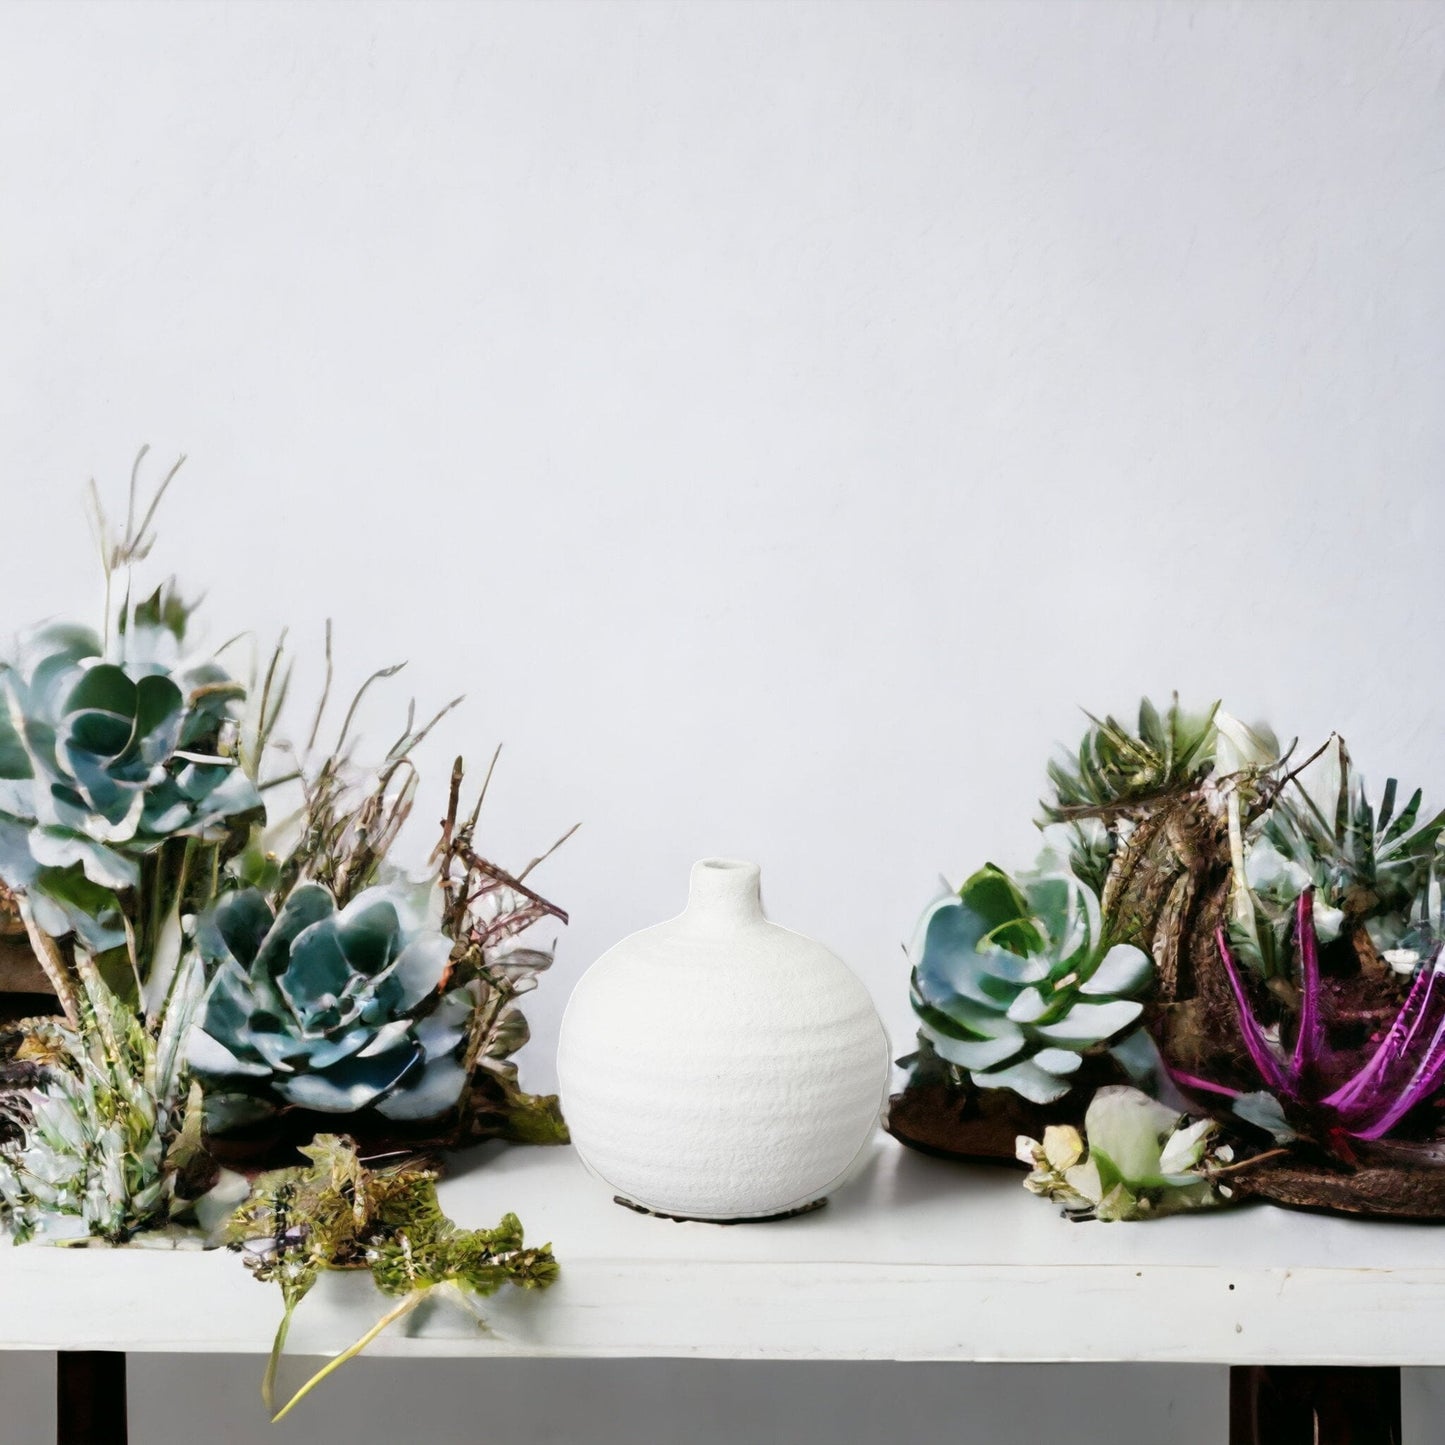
[{"x": 719, "y": 1067}]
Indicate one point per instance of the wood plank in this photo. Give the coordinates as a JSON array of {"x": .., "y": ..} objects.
[{"x": 916, "y": 1260}]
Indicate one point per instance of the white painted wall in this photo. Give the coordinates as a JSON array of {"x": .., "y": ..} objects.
[{"x": 776, "y": 418}]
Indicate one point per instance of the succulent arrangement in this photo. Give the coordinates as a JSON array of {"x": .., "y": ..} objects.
[
  {"x": 237, "y": 962},
  {"x": 1246, "y": 943}
]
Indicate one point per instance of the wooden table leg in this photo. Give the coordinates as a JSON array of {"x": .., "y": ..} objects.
[
  {"x": 1313, "y": 1405},
  {"x": 90, "y": 1398}
]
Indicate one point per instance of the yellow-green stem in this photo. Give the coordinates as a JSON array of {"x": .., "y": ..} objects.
[
  {"x": 278, "y": 1345},
  {"x": 350, "y": 1353}
]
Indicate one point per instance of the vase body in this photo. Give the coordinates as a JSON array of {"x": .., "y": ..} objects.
[{"x": 719, "y": 1067}]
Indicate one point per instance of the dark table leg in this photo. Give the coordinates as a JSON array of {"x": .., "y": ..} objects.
[
  {"x": 90, "y": 1398},
  {"x": 1313, "y": 1405}
]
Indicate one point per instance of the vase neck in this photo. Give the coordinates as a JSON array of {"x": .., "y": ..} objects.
[{"x": 723, "y": 893}]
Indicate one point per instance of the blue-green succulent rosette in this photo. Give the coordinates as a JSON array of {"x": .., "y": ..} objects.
[
  {"x": 335, "y": 1011},
  {"x": 102, "y": 762},
  {"x": 1014, "y": 982}
]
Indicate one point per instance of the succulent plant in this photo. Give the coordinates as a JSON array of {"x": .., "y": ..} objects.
[
  {"x": 106, "y": 1123},
  {"x": 1136, "y": 1159},
  {"x": 1368, "y": 866},
  {"x": 330, "y": 1010},
  {"x": 103, "y": 762},
  {"x": 1424, "y": 930},
  {"x": 1014, "y": 981},
  {"x": 120, "y": 799},
  {"x": 1115, "y": 767},
  {"x": 1310, "y": 1091},
  {"x": 1156, "y": 817}
]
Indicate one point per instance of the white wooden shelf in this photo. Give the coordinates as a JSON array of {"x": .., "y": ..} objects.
[{"x": 919, "y": 1259}]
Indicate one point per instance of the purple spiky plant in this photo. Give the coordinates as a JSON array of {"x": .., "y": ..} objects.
[{"x": 1407, "y": 1066}]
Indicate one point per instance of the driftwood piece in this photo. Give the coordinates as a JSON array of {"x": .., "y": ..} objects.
[{"x": 1380, "y": 1191}]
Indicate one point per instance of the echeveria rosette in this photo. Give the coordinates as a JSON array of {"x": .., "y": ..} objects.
[
  {"x": 1013, "y": 981},
  {"x": 102, "y": 762},
  {"x": 335, "y": 1011}
]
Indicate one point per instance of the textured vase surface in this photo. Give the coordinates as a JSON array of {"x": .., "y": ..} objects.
[{"x": 718, "y": 1066}]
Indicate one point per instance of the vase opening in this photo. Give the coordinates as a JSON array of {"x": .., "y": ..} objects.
[{"x": 724, "y": 891}]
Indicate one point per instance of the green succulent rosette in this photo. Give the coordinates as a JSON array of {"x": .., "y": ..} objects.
[
  {"x": 1014, "y": 981},
  {"x": 326, "y": 1009},
  {"x": 103, "y": 762}
]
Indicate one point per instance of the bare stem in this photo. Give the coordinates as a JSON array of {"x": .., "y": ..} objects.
[
  {"x": 486, "y": 783},
  {"x": 138, "y": 539},
  {"x": 350, "y": 717},
  {"x": 325, "y": 694},
  {"x": 542, "y": 858},
  {"x": 1247, "y": 1163}
]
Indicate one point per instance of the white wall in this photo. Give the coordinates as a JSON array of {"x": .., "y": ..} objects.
[{"x": 776, "y": 418}]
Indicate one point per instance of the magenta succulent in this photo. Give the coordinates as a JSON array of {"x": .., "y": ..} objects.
[{"x": 1406, "y": 1067}]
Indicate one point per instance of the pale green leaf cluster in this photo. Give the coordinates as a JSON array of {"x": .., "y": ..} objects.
[{"x": 1136, "y": 1159}]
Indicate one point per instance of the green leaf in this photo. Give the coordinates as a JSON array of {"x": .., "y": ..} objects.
[
  {"x": 1027, "y": 1079},
  {"x": 975, "y": 1055},
  {"x": 1124, "y": 969},
  {"x": 965, "y": 1020},
  {"x": 1091, "y": 1023},
  {"x": 106, "y": 688},
  {"x": 368, "y": 931},
  {"x": 995, "y": 899},
  {"x": 1029, "y": 1007},
  {"x": 162, "y": 609},
  {"x": 419, "y": 969},
  {"x": 14, "y": 760},
  {"x": 90, "y": 909},
  {"x": 158, "y": 703},
  {"x": 1126, "y": 1130}
]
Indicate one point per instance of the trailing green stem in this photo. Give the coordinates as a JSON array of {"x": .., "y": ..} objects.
[
  {"x": 350, "y": 1353},
  {"x": 273, "y": 1363}
]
